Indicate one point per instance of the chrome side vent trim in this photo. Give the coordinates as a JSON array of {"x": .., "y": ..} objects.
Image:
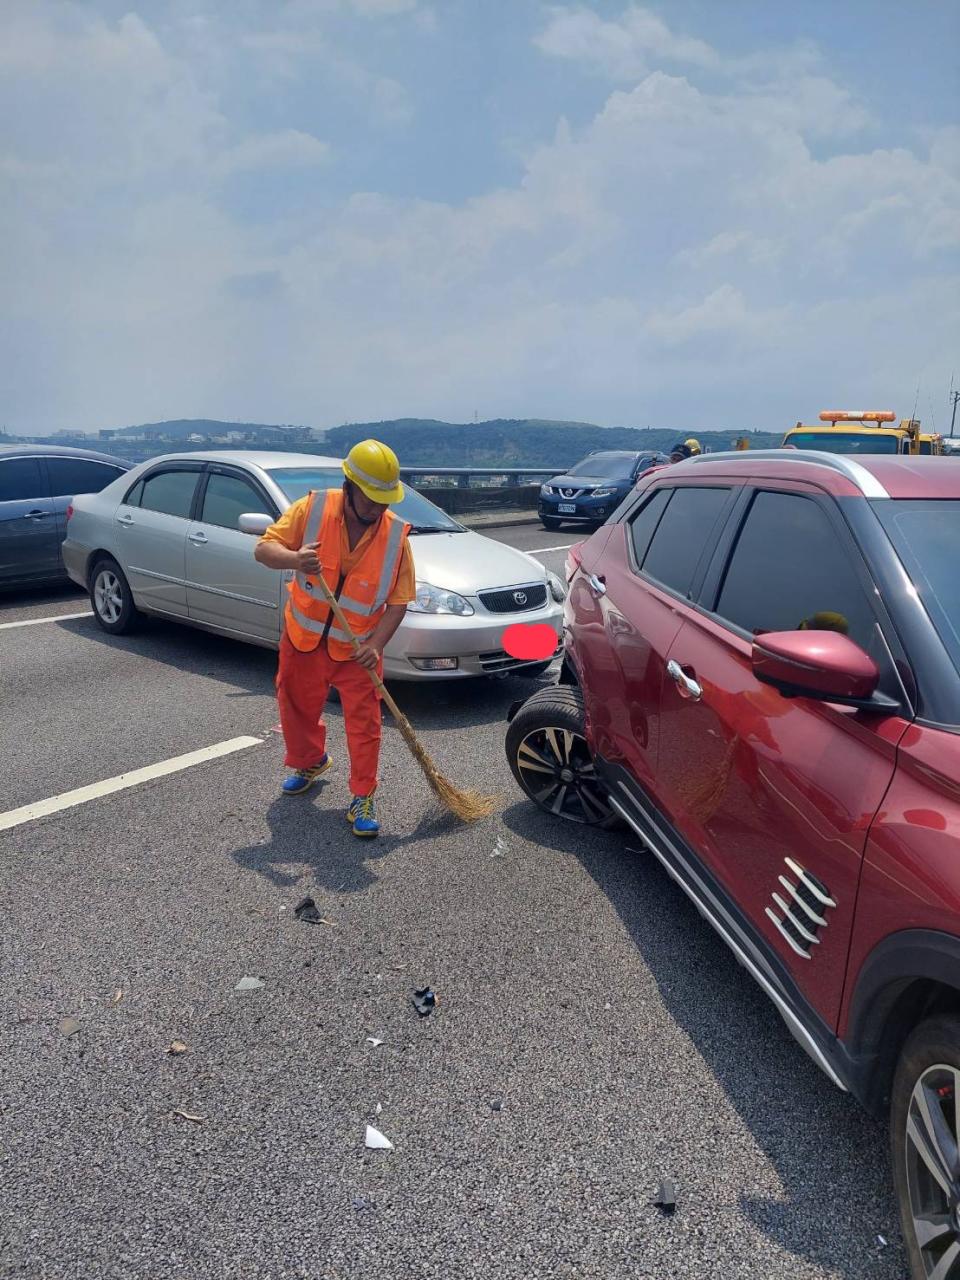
[{"x": 800, "y": 916}]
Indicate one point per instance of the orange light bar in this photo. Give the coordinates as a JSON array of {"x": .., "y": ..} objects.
[{"x": 853, "y": 415}]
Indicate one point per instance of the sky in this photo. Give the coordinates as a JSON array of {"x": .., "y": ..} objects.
[{"x": 692, "y": 215}]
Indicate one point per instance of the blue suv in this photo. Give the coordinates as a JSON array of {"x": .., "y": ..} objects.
[{"x": 595, "y": 487}]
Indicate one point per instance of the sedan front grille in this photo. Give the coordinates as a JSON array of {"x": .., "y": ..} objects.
[{"x": 515, "y": 599}]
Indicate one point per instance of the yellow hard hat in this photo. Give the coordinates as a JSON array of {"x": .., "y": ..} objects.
[
  {"x": 826, "y": 621},
  {"x": 375, "y": 469},
  {"x": 693, "y": 445}
]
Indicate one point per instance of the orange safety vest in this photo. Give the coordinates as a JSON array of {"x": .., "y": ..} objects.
[{"x": 362, "y": 593}]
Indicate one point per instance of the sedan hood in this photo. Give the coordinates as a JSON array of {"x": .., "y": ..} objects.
[{"x": 468, "y": 563}]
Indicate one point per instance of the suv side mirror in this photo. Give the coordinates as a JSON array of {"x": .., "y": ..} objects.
[
  {"x": 819, "y": 664},
  {"x": 257, "y": 524}
]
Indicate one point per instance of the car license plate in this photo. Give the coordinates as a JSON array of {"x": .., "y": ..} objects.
[{"x": 568, "y": 508}]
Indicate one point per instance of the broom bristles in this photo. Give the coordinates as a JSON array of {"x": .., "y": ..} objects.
[{"x": 468, "y": 805}]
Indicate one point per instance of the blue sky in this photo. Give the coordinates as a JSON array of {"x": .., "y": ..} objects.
[{"x": 693, "y": 214}]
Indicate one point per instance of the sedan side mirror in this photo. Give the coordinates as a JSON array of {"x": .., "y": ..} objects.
[
  {"x": 257, "y": 524},
  {"x": 819, "y": 664}
]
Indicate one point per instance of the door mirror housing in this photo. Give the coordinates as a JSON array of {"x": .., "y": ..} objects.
[
  {"x": 819, "y": 664},
  {"x": 257, "y": 524}
]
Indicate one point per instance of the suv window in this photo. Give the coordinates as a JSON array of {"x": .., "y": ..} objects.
[
  {"x": 685, "y": 529},
  {"x": 22, "y": 479},
  {"x": 644, "y": 523},
  {"x": 169, "y": 492},
  {"x": 788, "y": 568},
  {"x": 228, "y": 498},
  {"x": 69, "y": 476}
]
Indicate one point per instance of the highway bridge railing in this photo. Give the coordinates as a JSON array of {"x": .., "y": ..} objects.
[{"x": 462, "y": 489}]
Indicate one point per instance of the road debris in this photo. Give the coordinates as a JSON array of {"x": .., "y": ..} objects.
[
  {"x": 248, "y": 984},
  {"x": 306, "y": 910},
  {"x": 499, "y": 850},
  {"x": 115, "y": 998},
  {"x": 496, "y": 1104},
  {"x": 375, "y": 1041},
  {"x": 69, "y": 1027},
  {"x": 189, "y": 1115},
  {"x": 882, "y": 1241},
  {"x": 379, "y": 1109},
  {"x": 666, "y": 1201},
  {"x": 375, "y": 1140},
  {"x": 176, "y": 1048},
  {"x": 424, "y": 1001}
]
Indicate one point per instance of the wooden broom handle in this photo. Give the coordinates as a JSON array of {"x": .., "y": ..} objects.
[{"x": 345, "y": 627}]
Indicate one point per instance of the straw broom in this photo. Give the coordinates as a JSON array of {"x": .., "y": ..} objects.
[{"x": 468, "y": 806}]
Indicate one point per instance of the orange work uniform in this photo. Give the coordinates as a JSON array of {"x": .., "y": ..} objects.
[{"x": 314, "y": 655}]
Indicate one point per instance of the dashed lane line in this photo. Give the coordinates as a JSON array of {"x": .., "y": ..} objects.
[{"x": 82, "y": 795}]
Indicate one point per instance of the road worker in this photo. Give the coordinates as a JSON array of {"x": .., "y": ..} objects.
[{"x": 362, "y": 550}]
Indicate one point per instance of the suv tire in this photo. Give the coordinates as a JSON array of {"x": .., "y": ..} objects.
[
  {"x": 924, "y": 1102},
  {"x": 112, "y": 598},
  {"x": 547, "y": 752}
]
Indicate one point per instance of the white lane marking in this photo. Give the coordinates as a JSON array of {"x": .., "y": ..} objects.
[
  {"x": 33, "y": 622},
  {"x": 535, "y": 551},
  {"x": 69, "y": 799}
]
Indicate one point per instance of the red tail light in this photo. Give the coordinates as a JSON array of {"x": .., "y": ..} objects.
[
  {"x": 69, "y": 510},
  {"x": 574, "y": 560}
]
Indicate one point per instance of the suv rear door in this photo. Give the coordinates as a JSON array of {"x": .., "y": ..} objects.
[{"x": 776, "y": 795}]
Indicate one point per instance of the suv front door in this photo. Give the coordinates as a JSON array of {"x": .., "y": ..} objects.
[
  {"x": 776, "y": 795},
  {"x": 226, "y": 587}
]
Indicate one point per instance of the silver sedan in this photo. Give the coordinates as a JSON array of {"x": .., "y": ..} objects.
[{"x": 172, "y": 537}]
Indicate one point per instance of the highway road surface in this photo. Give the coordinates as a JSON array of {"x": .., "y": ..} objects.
[{"x": 592, "y": 1036}]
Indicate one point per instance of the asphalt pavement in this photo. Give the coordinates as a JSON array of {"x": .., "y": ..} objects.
[{"x": 592, "y": 1035}]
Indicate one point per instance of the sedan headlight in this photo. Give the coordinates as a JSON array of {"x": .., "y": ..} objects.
[
  {"x": 436, "y": 600},
  {"x": 557, "y": 589},
  {"x": 602, "y": 493}
]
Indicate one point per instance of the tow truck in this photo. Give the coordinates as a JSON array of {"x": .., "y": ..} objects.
[{"x": 863, "y": 431}]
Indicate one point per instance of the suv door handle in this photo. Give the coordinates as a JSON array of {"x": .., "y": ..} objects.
[
  {"x": 198, "y": 539},
  {"x": 689, "y": 686},
  {"x": 597, "y": 585},
  {"x": 125, "y": 520},
  {"x": 39, "y": 515}
]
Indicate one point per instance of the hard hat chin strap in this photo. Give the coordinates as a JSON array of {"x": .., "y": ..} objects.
[{"x": 348, "y": 490}]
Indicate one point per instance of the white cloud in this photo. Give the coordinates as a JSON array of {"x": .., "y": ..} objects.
[
  {"x": 622, "y": 49},
  {"x": 288, "y": 149}
]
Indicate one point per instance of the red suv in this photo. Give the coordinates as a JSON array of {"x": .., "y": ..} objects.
[{"x": 762, "y": 678}]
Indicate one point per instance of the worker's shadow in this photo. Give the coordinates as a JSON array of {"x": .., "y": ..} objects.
[{"x": 309, "y": 835}]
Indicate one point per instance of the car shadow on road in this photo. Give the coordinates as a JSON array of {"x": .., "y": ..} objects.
[
  {"x": 463, "y": 704},
  {"x": 809, "y": 1130},
  {"x": 309, "y": 838}
]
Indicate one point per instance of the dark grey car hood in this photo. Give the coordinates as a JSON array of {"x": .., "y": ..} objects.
[{"x": 589, "y": 482}]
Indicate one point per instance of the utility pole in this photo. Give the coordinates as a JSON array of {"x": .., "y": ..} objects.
[{"x": 954, "y": 396}]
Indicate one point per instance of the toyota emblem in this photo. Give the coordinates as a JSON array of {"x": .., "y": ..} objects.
[{"x": 520, "y": 597}]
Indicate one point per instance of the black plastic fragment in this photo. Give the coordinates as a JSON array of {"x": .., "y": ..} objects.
[
  {"x": 666, "y": 1201},
  {"x": 424, "y": 1001},
  {"x": 307, "y": 911}
]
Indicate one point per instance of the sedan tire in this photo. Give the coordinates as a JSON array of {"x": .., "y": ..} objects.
[
  {"x": 924, "y": 1128},
  {"x": 112, "y": 598},
  {"x": 548, "y": 755}
]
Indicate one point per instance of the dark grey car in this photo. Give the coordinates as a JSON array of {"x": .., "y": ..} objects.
[{"x": 37, "y": 482}]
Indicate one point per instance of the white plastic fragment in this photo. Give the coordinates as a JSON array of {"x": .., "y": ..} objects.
[
  {"x": 374, "y": 1041},
  {"x": 376, "y": 1141},
  {"x": 499, "y": 849},
  {"x": 248, "y": 984},
  {"x": 379, "y": 1109}
]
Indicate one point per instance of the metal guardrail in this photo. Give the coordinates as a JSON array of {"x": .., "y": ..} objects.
[{"x": 463, "y": 475}]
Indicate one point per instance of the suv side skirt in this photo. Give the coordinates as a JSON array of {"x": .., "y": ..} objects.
[{"x": 717, "y": 907}]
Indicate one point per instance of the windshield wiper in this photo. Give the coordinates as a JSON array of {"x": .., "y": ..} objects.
[{"x": 433, "y": 528}]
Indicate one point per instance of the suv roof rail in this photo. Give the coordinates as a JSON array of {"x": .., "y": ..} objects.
[{"x": 865, "y": 480}]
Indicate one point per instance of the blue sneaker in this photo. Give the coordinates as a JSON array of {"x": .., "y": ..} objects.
[
  {"x": 363, "y": 815},
  {"x": 303, "y": 779}
]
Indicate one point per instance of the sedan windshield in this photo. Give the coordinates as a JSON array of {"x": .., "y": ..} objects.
[
  {"x": 838, "y": 442},
  {"x": 926, "y": 534},
  {"x": 606, "y": 466},
  {"x": 418, "y": 511}
]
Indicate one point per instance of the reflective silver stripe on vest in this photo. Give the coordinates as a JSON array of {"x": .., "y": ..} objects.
[
  {"x": 391, "y": 560},
  {"x": 311, "y": 535},
  {"x": 317, "y": 628}
]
